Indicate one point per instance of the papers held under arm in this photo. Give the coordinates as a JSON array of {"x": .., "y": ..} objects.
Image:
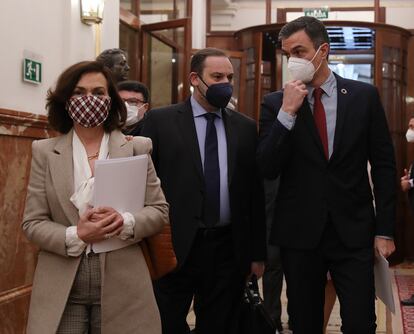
[
  {"x": 383, "y": 286},
  {"x": 121, "y": 184}
]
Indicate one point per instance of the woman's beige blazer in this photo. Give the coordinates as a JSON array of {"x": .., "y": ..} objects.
[{"x": 128, "y": 304}]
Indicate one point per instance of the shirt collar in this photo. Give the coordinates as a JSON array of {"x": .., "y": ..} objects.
[
  {"x": 328, "y": 86},
  {"x": 198, "y": 110}
]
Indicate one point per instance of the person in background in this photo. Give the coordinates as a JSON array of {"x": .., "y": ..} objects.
[
  {"x": 318, "y": 134},
  {"x": 136, "y": 97},
  {"x": 76, "y": 290},
  {"x": 407, "y": 185},
  {"x": 116, "y": 60},
  {"x": 205, "y": 156}
]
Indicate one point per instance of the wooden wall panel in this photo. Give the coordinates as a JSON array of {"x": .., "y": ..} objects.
[
  {"x": 17, "y": 255},
  {"x": 222, "y": 40}
]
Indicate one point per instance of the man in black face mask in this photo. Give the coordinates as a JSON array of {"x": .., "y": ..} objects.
[{"x": 204, "y": 154}]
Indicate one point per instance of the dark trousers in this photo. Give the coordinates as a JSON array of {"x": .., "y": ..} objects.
[
  {"x": 352, "y": 275},
  {"x": 273, "y": 283},
  {"x": 211, "y": 275},
  {"x": 273, "y": 275}
]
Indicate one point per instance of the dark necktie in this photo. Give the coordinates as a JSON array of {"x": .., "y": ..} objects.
[
  {"x": 211, "y": 173},
  {"x": 320, "y": 119}
]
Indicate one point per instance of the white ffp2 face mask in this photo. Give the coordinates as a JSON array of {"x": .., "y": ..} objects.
[
  {"x": 302, "y": 69},
  {"x": 410, "y": 135},
  {"x": 132, "y": 115}
]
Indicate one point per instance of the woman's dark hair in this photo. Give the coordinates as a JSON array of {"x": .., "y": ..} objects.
[
  {"x": 314, "y": 28},
  {"x": 56, "y": 100}
]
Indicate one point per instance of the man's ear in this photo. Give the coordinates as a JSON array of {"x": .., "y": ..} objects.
[
  {"x": 194, "y": 80},
  {"x": 146, "y": 107},
  {"x": 325, "y": 50}
]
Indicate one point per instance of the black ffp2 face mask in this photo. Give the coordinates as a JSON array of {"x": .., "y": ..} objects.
[{"x": 219, "y": 94}]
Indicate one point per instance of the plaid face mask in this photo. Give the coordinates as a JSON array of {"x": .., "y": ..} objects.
[{"x": 89, "y": 110}]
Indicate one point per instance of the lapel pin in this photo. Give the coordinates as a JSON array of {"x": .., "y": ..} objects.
[{"x": 344, "y": 91}]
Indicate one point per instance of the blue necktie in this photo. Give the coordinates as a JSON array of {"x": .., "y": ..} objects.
[{"x": 211, "y": 174}]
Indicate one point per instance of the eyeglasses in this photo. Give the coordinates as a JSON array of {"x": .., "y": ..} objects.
[{"x": 134, "y": 102}]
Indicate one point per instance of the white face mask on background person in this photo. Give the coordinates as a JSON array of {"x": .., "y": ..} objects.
[
  {"x": 410, "y": 135},
  {"x": 302, "y": 69},
  {"x": 132, "y": 114}
]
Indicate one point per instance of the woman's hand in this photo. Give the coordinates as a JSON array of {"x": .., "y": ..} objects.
[{"x": 98, "y": 224}]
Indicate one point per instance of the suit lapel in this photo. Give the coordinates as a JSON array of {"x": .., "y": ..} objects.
[
  {"x": 118, "y": 146},
  {"x": 343, "y": 96},
  {"x": 232, "y": 141},
  {"x": 306, "y": 115},
  {"x": 61, "y": 170},
  {"x": 189, "y": 133}
]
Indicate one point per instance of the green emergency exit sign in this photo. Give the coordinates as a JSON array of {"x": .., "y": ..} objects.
[
  {"x": 32, "y": 71},
  {"x": 319, "y": 13}
]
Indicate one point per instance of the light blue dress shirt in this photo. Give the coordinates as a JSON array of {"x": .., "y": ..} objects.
[{"x": 200, "y": 124}]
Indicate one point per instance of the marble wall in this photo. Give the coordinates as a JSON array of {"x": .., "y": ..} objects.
[{"x": 17, "y": 255}]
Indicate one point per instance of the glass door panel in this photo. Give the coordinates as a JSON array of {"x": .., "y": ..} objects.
[
  {"x": 238, "y": 61},
  {"x": 152, "y": 11},
  {"x": 129, "y": 41},
  {"x": 165, "y": 64},
  {"x": 353, "y": 66},
  {"x": 161, "y": 72}
]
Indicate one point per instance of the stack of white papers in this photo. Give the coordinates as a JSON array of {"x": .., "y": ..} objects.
[
  {"x": 121, "y": 184},
  {"x": 383, "y": 286}
]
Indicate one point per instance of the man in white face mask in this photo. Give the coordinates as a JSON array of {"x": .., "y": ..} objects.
[
  {"x": 318, "y": 135},
  {"x": 136, "y": 97},
  {"x": 407, "y": 185}
]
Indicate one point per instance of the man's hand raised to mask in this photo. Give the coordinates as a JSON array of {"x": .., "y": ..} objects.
[{"x": 293, "y": 95}]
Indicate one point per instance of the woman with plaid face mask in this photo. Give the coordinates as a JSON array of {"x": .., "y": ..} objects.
[{"x": 68, "y": 293}]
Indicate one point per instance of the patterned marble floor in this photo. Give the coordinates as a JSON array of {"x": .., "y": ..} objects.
[
  {"x": 334, "y": 325},
  {"x": 387, "y": 323},
  {"x": 404, "y": 277}
]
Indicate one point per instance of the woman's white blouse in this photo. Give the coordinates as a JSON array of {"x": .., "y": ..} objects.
[{"x": 83, "y": 196}]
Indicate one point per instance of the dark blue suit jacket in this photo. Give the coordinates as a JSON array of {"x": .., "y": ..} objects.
[
  {"x": 312, "y": 189},
  {"x": 177, "y": 159}
]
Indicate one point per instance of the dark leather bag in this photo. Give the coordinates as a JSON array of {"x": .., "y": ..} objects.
[
  {"x": 159, "y": 253},
  {"x": 254, "y": 317}
]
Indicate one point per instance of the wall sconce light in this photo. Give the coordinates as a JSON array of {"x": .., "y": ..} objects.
[{"x": 92, "y": 11}]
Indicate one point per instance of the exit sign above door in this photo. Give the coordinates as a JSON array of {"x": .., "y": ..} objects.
[{"x": 318, "y": 13}]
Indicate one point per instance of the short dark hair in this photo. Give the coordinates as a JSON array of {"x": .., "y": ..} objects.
[
  {"x": 197, "y": 61},
  {"x": 314, "y": 28},
  {"x": 106, "y": 56},
  {"x": 135, "y": 86},
  {"x": 56, "y": 100}
]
